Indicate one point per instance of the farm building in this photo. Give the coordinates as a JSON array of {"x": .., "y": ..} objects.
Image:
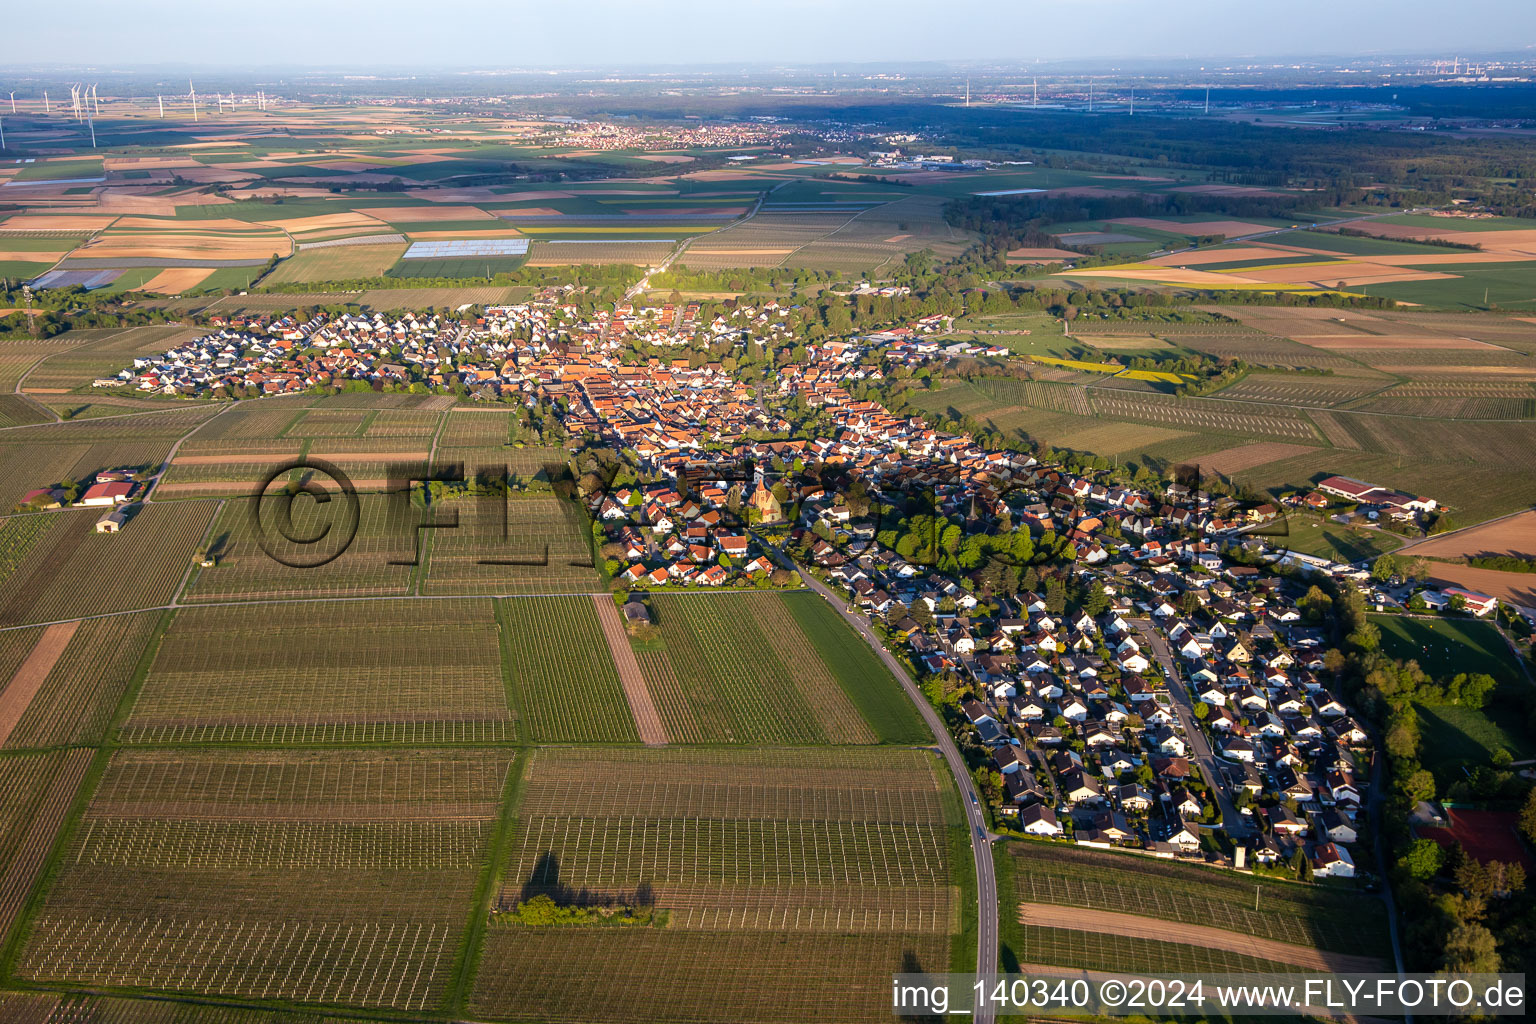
[
  {"x": 112, "y": 522},
  {"x": 1374, "y": 494},
  {"x": 113, "y": 492}
]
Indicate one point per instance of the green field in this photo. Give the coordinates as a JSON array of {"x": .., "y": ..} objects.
[
  {"x": 1476, "y": 286},
  {"x": 1444, "y": 647}
]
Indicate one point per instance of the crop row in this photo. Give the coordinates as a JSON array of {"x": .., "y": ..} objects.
[{"x": 566, "y": 684}]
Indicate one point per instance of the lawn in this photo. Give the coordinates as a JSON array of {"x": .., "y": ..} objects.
[
  {"x": 1444, "y": 647},
  {"x": 1477, "y": 286},
  {"x": 1341, "y": 543},
  {"x": 1452, "y": 736}
]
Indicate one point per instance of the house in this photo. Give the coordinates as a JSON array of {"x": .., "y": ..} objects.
[
  {"x": 1331, "y": 861},
  {"x": 1185, "y": 838},
  {"x": 1039, "y": 820},
  {"x": 1477, "y": 604}
]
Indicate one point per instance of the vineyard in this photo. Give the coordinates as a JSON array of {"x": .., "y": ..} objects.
[
  {"x": 35, "y": 793},
  {"x": 312, "y": 878},
  {"x": 724, "y": 677},
  {"x": 782, "y": 855},
  {"x": 374, "y": 671},
  {"x": 566, "y": 686},
  {"x": 369, "y": 566},
  {"x": 1341, "y": 922},
  {"x": 86, "y": 684},
  {"x": 73, "y": 571},
  {"x": 511, "y": 545}
]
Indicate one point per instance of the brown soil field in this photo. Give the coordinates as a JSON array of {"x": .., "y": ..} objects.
[
  {"x": 146, "y": 163},
  {"x": 1081, "y": 919},
  {"x": 1246, "y": 456},
  {"x": 666, "y": 158},
  {"x": 1045, "y": 253},
  {"x": 326, "y": 222},
  {"x": 29, "y": 678},
  {"x": 1207, "y": 227},
  {"x": 533, "y": 211},
  {"x": 186, "y": 247},
  {"x": 420, "y": 214},
  {"x": 1352, "y": 273},
  {"x": 40, "y": 391},
  {"x": 1166, "y": 275},
  {"x": 31, "y": 255},
  {"x": 1513, "y": 536},
  {"x": 1514, "y": 587},
  {"x": 647, "y": 721},
  {"x": 177, "y": 279},
  {"x": 523, "y": 197}
]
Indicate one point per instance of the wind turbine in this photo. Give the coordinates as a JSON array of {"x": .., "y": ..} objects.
[
  {"x": 192, "y": 92},
  {"x": 92, "y": 123},
  {"x": 95, "y": 101},
  {"x": 1133, "y": 101},
  {"x": 13, "y": 101},
  {"x": 1207, "y": 99},
  {"x": 1090, "y": 95},
  {"x": 161, "y": 100},
  {"x": 1035, "y": 84},
  {"x": 46, "y": 108}
]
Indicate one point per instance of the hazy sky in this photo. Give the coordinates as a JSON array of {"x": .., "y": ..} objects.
[{"x": 512, "y": 33}]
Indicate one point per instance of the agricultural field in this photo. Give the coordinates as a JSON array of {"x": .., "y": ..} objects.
[
  {"x": 333, "y": 672},
  {"x": 35, "y": 797},
  {"x": 1173, "y": 917},
  {"x": 333, "y": 878},
  {"x": 560, "y": 672},
  {"x": 62, "y": 573},
  {"x": 377, "y": 562},
  {"x": 777, "y": 859},
  {"x": 512, "y": 544},
  {"x": 80, "y": 683},
  {"x": 336, "y": 263},
  {"x": 721, "y": 673}
]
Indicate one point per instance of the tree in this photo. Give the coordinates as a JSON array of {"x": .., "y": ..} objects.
[
  {"x": 1384, "y": 568},
  {"x": 1528, "y": 817},
  {"x": 1470, "y": 949},
  {"x": 1202, "y": 711},
  {"x": 1097, "y": 601},
  {"x": 1315, "y": 604},
  {"x": 1424, "y": 859},
  {"x": 1419, "y": 785}
]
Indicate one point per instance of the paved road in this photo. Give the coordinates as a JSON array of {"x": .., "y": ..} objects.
[
  {"x": 976, "y": 823},
  {"x": 1233, "y": 822}
]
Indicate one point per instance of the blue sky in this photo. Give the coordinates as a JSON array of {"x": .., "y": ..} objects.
[{"x": 514, "y": 33}]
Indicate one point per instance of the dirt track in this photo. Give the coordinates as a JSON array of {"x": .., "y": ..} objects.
[
  {"x": 647, "y": 721},
  {"x": 28, "y": 679},
  {"x": 1081, "y": 919}
]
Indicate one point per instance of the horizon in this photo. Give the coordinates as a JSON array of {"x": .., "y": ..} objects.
[{"x": 905, "y": 33}]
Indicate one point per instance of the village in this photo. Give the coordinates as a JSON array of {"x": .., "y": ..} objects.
[{"x": 1173, "y": 704}]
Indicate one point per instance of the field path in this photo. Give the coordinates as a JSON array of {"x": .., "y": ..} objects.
[
  {"x": 1082, "y": 919},
  {"x": 23, "y": 686},
  {"x": 647, "y": 721}
]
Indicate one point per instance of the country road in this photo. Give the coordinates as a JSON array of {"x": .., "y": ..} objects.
[
  {"x": 1200, "y": 749},
  {"x": 976, "y": 823}
]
